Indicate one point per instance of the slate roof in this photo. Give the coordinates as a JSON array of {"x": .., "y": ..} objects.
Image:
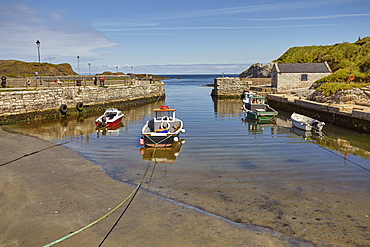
[{"x": 303, "y": 68}]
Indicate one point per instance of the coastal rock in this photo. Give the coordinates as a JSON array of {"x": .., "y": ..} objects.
[
  {"x": 341, "y": 97},
  {"x": 258, "y": 70}
]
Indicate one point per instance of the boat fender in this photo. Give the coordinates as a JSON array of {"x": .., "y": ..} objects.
[
  {"x": 142, "y": 141},
  {"x": 63, "y": 109},
  {"x": 79, "y": 106}
]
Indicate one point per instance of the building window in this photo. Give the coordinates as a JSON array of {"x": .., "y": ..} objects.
[{"x": 304, "y": 77}]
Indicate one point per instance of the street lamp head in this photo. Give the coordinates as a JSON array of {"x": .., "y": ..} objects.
[{"x": 38, "y": 44}]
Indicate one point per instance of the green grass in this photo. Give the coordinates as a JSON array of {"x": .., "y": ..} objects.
[
  {"x": 341, "y": 58},
  {"x": 332, "y": 88}
]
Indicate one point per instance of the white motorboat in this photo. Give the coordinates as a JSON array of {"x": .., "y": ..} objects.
[
  {"x": 306, "y": 123},
  {"x": 163, "y": 130}
]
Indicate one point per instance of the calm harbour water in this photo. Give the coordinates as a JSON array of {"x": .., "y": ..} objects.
[{"x": 265, "y": 175}]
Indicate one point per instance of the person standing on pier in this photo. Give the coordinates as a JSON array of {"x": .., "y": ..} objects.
[{"x": 3, "y": 81}]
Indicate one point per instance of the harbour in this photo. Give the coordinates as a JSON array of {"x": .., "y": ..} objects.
[{"x": 308, "y": 188}]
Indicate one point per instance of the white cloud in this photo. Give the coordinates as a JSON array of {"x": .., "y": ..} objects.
[
  {"x": 307, "y": 17},
  {"x": 22, "y": 25}
]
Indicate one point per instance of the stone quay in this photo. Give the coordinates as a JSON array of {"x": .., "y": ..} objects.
[{"x": 43, "y": 102}]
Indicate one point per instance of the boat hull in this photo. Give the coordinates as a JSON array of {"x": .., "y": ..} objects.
[
  {"x": 301, "y": 125},
  {"x": 160, "y": 141},
  {"x": 261, "y": 116},
  {"x": 306, "y": 123},
  {"x": 109, "y": 123}
]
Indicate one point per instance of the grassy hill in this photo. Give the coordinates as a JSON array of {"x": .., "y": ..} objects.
[
  {"x": 15, "y": 68},
  {"x": 342, "y": 58}
]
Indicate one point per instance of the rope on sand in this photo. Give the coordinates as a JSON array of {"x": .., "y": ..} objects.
[
  {"x": 103, "y": 217},
  {"x": 35, "y": 152}
]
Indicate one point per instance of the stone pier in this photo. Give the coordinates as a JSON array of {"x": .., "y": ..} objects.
[{"x": 28, "y": 105}]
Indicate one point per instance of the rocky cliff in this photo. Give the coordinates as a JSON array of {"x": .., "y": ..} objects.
[{"x": 258, "y": 70}]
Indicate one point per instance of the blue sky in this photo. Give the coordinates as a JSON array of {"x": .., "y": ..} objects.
[{"x": 173, "y": 36}]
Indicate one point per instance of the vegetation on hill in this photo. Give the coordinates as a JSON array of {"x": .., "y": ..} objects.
[
  {"x": 342, "y": 58},
  {"x": 15, "y": 68}
]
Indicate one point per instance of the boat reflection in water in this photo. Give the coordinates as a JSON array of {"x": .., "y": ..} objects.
[
  {"x": 335, "y": 142},
  {"x": 307, "y": 135},
  {"x": 258, "y": 126},
  {"x": 112, "y": 130},
  {"x": 162, "y": 155}
]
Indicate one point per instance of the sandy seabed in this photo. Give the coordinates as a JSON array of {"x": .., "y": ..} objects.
[{"x": 49, "y": 191}]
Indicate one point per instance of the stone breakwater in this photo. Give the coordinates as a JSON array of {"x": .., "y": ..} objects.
[
  {"x": 233, "y": 87},
  {"x": 20, "y": 106}
]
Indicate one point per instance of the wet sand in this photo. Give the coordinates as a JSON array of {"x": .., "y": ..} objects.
[{"x": 49, "y": 191}]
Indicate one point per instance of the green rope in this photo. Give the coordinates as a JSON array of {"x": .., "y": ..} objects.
[{"x": 101, "y": 218}]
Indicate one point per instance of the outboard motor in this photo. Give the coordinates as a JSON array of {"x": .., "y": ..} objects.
[{"x": 103, "y": 121}]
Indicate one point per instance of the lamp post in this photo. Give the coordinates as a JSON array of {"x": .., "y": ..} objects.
[
  {"x": 38, "y": 49},
  {"x": 89, "y": 69},
  {"x": 117, "y": 69},
  {"x": 78, "y": 64}
]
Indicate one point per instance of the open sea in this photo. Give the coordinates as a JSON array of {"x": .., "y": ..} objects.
[{"x": 311, "y": 187}]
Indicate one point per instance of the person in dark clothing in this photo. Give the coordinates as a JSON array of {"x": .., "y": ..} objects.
[{"x": 3, "y": 81}]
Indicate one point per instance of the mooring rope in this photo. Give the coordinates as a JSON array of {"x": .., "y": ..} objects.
[
  {"x": 105, "y": 216},
  {"x": 35, "y": 152},
  {"x": 132, "y": 198}
]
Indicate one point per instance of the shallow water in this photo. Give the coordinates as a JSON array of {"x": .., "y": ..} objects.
[{"x": 315, "y": 188}]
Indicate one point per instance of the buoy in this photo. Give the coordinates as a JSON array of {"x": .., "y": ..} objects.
[{"x": 142, "y": 141}]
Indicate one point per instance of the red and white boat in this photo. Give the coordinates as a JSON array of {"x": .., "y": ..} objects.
[{"x": 111, "y": 117}]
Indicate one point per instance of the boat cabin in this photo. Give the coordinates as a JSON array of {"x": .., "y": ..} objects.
[
  {"x": 255, "y": 102},
  {"x": 164, "y": 113},
  {"x": 111, "y": 113},
  {"x": 164, "y": 121}
]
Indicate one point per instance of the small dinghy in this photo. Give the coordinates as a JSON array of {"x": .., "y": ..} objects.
[
  {"x": 111, "y": 117},
  {"x": 163, "y": 130},
  {"x": 306, "y": 123}
]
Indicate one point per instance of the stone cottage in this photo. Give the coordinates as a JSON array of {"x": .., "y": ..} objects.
[{"x": 288, "y": 76}]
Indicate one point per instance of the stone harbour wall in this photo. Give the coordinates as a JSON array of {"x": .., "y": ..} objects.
[
  {"x": 14, "y": 103},
  {"x": 233, "y": 87},
  {"x": 354, "y": 117}
]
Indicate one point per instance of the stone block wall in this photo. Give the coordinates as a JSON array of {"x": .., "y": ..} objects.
[
  {"x": 19, "y": 102},
  {"x": 234, "y": 86},
  {"x": 291, "y": 81}
]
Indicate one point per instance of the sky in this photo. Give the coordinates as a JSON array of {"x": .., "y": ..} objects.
[{"x": 173, "y": 36}]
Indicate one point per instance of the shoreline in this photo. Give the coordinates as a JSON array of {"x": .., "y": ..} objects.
[{"x": 52, "y": 191}]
